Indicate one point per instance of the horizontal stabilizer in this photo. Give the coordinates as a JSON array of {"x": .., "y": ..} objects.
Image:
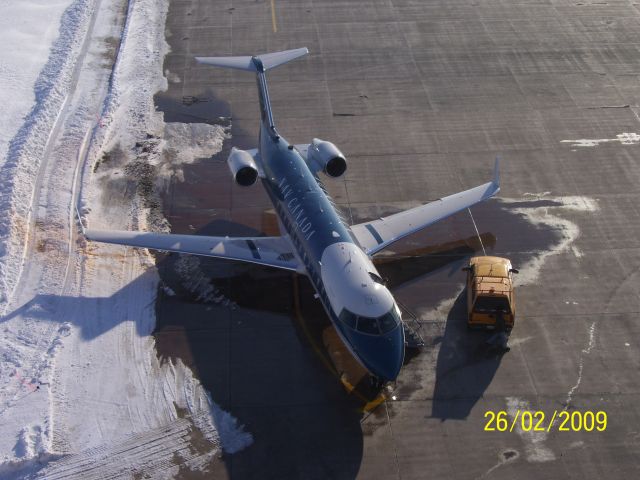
[
  {"x": 239, "y": 63},
  {"x": 262, "y": 62},
  {"x": 272, "y": 60}
]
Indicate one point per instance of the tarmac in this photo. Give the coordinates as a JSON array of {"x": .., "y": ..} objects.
[{"x": 421, "y": 96}]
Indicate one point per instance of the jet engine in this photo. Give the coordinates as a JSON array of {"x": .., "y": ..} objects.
[
  {"x": 243, "y": 167},
  {"x": 328, "y": 157}
]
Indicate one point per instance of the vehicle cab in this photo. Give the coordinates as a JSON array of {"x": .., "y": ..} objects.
[{"x": 489, "y": 292}]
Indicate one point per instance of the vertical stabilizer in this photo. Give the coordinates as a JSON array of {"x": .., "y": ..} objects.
[{"x": 258, "y": 64}]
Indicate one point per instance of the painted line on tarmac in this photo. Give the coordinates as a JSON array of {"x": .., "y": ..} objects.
[{"x": 273, "y": 16}]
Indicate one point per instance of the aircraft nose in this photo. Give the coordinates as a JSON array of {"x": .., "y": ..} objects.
[
  {"x": 390, "y": 367},
  {"x": 384, "y": 357}
]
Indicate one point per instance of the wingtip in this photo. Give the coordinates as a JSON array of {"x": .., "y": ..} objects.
[
  {"x": 496, "y": 172},
  {"x": 82, "y": 227}
]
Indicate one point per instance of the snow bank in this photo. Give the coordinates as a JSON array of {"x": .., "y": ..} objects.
[
  {"x": 149, "y": 151},
  {"x": 27, "y": 32},
  {"x": 30, "y": 27},
  {"x": 80, "y": 383}
]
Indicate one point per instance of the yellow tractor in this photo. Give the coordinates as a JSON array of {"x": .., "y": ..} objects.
[{"x": 490, "y": 292}]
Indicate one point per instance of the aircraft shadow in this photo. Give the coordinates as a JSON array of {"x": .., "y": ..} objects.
[
  {"x": 92, "y": 315},
  {"x": 259, "y": 356},
  {"x": 259, "y": 346}
]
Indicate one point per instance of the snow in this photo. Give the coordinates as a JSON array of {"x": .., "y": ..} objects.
[
  {"x": 80, "y": 383},
  {"x": 27, "y": 31},
  {"x": 551, "y": 217},
  {"x": 625, "y": 138},
  {"x": 49, "y": 84}
]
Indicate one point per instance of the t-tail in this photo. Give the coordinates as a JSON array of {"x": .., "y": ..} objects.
[{"x": 258, "y": 64}]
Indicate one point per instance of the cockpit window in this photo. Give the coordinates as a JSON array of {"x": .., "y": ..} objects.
[
  {"x": 348, "y": 318},
  {"x": 389, "y": 321},
  {"x": 371, "y": 326},
  {"x": 368, "y": 325}
]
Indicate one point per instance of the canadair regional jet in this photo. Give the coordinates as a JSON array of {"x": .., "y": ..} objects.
[{"x": 314, "y": 240}]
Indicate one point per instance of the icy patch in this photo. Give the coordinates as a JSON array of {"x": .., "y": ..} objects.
[
  {"x": 233, "y": 436},
  {"x": 168, "y": 291},
  {"x": 172, "y": 77},
  {"x": 585, "y": 351},
  {"x": 438, "y": 313},
  {"x": 535, "y": 448},
  {"x": 505, "y": 457},
  {"x": 549, "y": 217},
  {"x": 622, "y": 138},
  {"x": 29, "y": 442},
  {"x": 187, "y": 142},
  {"x": 196, "y": 282}
]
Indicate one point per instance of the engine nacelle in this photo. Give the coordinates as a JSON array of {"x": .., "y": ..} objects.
[
  {"x": 327, "y": 156},
  {"x": 243, "y": 167}
]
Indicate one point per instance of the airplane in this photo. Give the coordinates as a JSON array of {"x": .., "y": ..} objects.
[{"x": 314, "y": 241}]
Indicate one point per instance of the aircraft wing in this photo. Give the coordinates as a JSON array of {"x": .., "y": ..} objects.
[
  {"x": 271, "y": 251},
  {"x": 378, "y": 234}
]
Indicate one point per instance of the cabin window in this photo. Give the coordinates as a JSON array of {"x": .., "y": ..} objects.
[{"x": 491, "y": 305}]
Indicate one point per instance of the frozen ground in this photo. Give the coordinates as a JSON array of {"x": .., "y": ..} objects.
[
  {"x": 27, "y": 31},
  {"x": 79, "y": 377}
]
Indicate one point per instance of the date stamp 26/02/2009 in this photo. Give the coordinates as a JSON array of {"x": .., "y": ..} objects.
[{"x": 539, "y": 421}]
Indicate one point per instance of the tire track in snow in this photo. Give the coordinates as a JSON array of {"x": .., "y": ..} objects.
[
  {"x": 47, "y": 265},
  {"x": 153, "y": 453}
]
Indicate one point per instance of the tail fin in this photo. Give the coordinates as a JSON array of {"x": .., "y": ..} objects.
[{"x": 258, "y": 63}]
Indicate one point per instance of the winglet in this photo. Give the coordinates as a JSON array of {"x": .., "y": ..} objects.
[{"x": 496, "y": 172}]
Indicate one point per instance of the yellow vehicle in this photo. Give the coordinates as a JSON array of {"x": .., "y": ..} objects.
[{"x": 490, "y": 292}]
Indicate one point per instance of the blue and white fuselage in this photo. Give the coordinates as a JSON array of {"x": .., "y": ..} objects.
[
  {"x": 315, "y": 241},
  {"x": 345, "y": 279}
]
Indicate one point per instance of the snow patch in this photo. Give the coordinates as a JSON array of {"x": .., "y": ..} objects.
[
  {"x": 29, "y": 442},
  {"x": 79, "y": 375},
  {"x": 438, "y": 313},
  {"x": 535, "y": 448},
  {"x": 194, "y": 280},
  {"x": 25, "y": 150},
  {"x": 233, "y": 436},
  {"x": 550, "y": 217},
  {"x": 188, "y": 142},
  {"x": 624, "y": 138},
  {"x": 585, "y": 351}
]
